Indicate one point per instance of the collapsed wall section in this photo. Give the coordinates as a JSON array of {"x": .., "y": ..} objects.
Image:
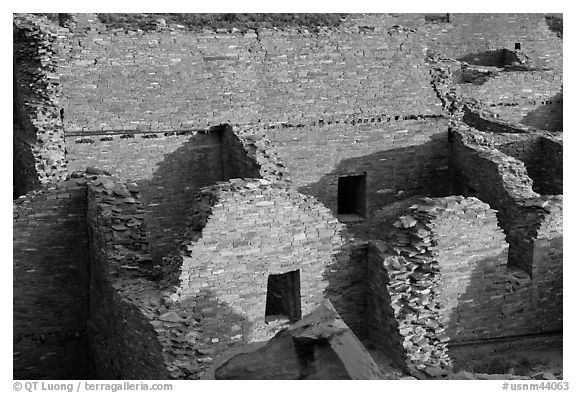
[
  {"x": 50, "y": 289},
  {"x": 38, "y": 131}
]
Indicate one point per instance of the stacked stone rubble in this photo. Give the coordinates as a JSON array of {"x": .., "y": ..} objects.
[
  {"x": 414, "y": 289},
  {"x": 36, "y": 49}
]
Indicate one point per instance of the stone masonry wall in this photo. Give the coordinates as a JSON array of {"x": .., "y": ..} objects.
[
  {"x": 123, "y": 342},
  {"x": 400, "y": 158},
  {"x": 37, "y": 48},
  {"x": 174, "y": 80},
  {"x": 382, "y": 325},
  {"x": 551, "y": 178},
  {"x": 168, "y": 168},
  {"x": 547, "y": 271},
  {"x": 502, "y": 182},
  {"x": 442, "y": 280},
  {"x": 472, "y": 255},
  {"x": 50, "y": 289},
  {"x": 245, "y": 230}
]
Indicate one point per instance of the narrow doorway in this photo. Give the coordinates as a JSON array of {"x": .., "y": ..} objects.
[{"x": 283, "y": 297}]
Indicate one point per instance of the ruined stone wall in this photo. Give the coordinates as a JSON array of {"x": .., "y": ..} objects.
[
  {"x": 123, "y": 342},
  {"x": 38, "y": 130},
  {"x": 472, "y": 255},
  {"x": 51, "y": 271},
  {"x": 533, "y": 228},
  {"x": 168, "y": 168},
  {"x": 547, "y": 271},
  {"x": 551, "y": 178},
  {"x": 543, "y": 159},
  {"x": 382, "y": 325},
  {"x": 400, "y": 158},
  {"x": 515, "y": 96},
  {"x": 175, "y": 80},
  {"x": 442, "y": 281},
  {"x": 246, "y": 230}
]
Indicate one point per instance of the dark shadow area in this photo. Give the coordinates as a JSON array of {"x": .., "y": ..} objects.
[
  {"x": 555, "y": 23},
  {"x": 437, "y": 18},
  {"x": 493, "y": 58},
  {"x": 51, "y": 288},
  {"x": 543, "y": 160},
  {"x": 24, "y": 174},
  {"x": 283, "y": 296},
  {"x": 171, "y": 192},
  {"x": 548, "y": 116},
  {"x": 347, "y": 289}
]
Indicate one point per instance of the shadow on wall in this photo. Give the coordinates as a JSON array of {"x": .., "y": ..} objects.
[
  {"x": 479, "y": 310},
  {"x": 213, "y": 320},
  {"x": 347, "y": 289},
  {"x": 489, "y": 308},
  {"x": 170, "y": 192},
  {"x": 391, "y": 176},
  {"x": 548, "y": 116}
]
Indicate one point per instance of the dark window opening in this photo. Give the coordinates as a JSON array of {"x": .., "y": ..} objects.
[
  {"x": 283, "y": 297},
  {"x": 352, "y": 195},
  {"x": 517, "y": 46}
]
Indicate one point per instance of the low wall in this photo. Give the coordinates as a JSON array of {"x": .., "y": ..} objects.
[
  {"x": 123, "y": 342},
  {"x": 50, "y": 288}
]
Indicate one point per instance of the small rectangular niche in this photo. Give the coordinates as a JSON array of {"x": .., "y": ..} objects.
[
  {"x": 352, "y": 197},
  {"x": 283, "y": 303}
]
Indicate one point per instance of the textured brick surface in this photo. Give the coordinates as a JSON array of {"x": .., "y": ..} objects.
[
  {"x": 51, "y": 270},
  {"x": 39, "y": 129},
  {"x": 400, "y": 158},
  {"x": 250, "y": 229},
  {"x": 271, "y": 76}
]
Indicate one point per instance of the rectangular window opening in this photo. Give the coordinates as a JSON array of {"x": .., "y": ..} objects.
[
  {"x": 352, "y": 195},
  {"x": 283, "y": 297}
]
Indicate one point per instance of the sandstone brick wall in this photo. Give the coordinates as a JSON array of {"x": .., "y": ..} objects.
[
  {"x": 442, "y": 281},
  {"x": 168, "y": 168},
  {"x": 209, "y": 78},
  {"x": 400, "y": 158},
  {"x": 37, "y": 45},
  {"x": 547, "y": 271},
  {"x": 123, "y": 342},
  {"x": 472, "y": 255},
  {"x": 543, "y": 159},
  {"x": 171, "y": 167},
  {"x": 250, "y": 229},
  {"x": 50, "y": 288},
  {"x": 381, "y": 323},
  {"x": 552, "y": 171}
]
